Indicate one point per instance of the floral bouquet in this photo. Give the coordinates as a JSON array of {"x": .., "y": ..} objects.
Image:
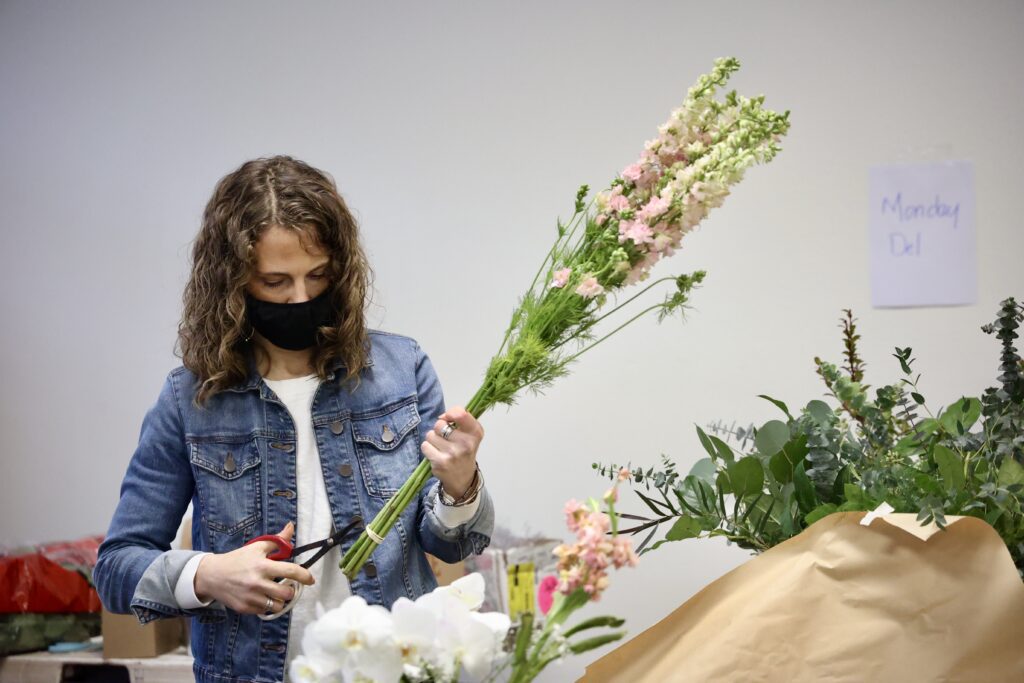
[
  {"x": 431, "y": 639},
  {"x": 582, "y": 577},
  {"x": 441, "y": 636},
  {"x": 610, "y": 243}
]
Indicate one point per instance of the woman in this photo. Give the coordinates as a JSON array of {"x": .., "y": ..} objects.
[{"x": 287, "y": 415}]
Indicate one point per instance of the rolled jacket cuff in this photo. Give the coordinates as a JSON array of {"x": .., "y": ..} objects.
[
  {"x": 477, "y": 529},
  {"x": 155, "y": 595}
]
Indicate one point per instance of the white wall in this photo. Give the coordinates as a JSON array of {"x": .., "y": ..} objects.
[{"x": 458, "y": 132}]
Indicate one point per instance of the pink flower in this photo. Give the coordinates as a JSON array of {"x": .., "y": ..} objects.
[
  {"x": 561, "y": 277},
  {"x": 574, "y": 512},
  {"x": 546, "y": 593},
  {"x": 632, "y": 172},
  {"x": 624, "y": 474},
  {"x": 638, "y": 231},
  {"x": 663, "y": 244},
  {"x": 601, "y": 219},
  {"x": 618, "y": 203},
  {"x": 640, "y": 271},
  {"x": 611, "y": 495},
  {"x": 654, "y": 208},
  {"x": 589, "y": 288},
  {"x": 648, "y": 179}
]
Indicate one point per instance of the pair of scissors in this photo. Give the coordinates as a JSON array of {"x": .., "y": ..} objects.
[{"x": 286, "y": 551}]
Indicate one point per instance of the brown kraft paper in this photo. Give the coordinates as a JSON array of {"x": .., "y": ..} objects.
[{"x": 845, "y": 602}]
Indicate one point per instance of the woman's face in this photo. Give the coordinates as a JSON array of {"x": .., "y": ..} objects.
[{"x": 290, "y": 267}]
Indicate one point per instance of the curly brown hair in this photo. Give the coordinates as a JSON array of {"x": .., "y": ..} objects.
[{"x": 213, "y": 334}]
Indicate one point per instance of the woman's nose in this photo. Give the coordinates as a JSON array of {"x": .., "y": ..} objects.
[{"x": 299, "y": 294}]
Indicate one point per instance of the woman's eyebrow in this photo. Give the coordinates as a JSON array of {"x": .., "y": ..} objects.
[{"x": 277, "y": 274}]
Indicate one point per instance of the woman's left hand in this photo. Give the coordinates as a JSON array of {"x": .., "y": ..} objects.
[{"x": 453, "y": 460}]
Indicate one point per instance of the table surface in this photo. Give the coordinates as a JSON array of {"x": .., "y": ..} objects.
[{"x": 49, "y": 667}]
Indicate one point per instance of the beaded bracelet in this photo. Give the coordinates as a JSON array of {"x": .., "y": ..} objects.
[{"x": 466, "y": 498}]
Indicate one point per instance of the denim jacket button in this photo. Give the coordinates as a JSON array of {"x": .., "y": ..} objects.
[
  {"x": 337, "y": 427},
  {"x": 370, "y": 570},
  {"x": 356, "y": 519},
  {"x": 345, "y": 469},
  {"x": 286, "y": 447}
]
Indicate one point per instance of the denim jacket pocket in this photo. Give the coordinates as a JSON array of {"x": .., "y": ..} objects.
[
  {"x": 386, "y": 445},
  {"x": 228, "y": 479}
]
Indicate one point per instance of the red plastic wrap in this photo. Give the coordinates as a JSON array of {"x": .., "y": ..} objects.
[{"x": 50, "y": 578}]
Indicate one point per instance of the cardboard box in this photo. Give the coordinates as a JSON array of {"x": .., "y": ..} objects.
[
  {"x": 125, "y": 638},
  {"x": 446, "y": 573}
]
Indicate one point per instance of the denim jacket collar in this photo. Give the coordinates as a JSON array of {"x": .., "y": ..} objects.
[{"x": 252, "y": 381}]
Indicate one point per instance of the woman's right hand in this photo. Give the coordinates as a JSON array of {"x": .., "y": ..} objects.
[{"x": 243, "y": 579}]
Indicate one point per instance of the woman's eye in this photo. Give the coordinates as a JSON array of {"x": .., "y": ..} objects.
[
  {"x": 272, "y": 284},
  {"x": 319, "y": 276}
]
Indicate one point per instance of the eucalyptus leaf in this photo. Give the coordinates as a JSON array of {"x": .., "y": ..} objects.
[
  {"x": 703, "y": 469},
  {"x": 951, "y": 467},
  {"x": 1010, "y": 472},
  {"x": 771, "y": 437},
  {"x": 820, "y": 412},
  {"x": 778, "y": 404},
  {"x": 803, "y": 489},
  {"x": 969, "y": 409},
  {"x": 724, "y": 452},
  {"x": 823, "y": 510},
  {"x": 705, "y": 441},
  {"x": 746, "y": 477},
  {"x": 685, "y": 527},
  {"x": 785, "y": 461}
]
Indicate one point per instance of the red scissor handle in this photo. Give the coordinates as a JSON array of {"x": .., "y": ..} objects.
[{"x": 284, "y": 548}]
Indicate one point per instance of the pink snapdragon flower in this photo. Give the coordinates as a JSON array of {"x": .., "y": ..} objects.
[
  {"x": 654, "y": 208},
  {"x": 637, "y": 231},
  {"x": 618, "y": 203},
  {"x": 632, "y": 172}
]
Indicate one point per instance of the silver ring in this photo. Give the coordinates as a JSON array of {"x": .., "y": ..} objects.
[
  {"x": 270, "y": 605},
  {"x": 448, "y": 429}
]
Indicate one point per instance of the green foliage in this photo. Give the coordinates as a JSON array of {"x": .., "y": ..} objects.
[{"x": 966, "y": 460}]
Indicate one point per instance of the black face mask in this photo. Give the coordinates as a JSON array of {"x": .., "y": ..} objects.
[{"x": 291, "y": 326}]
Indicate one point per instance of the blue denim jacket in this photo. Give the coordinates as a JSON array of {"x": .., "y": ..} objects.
[{"x": 234, "y": 460}]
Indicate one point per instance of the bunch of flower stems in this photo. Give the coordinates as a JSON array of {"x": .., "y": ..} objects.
[{"x": 612, "y": 242}]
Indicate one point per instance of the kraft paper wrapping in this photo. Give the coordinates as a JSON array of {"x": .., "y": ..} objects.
[{"x": 846, "y": 602}]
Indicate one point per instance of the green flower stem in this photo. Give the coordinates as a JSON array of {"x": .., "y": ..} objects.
[
  {"x": 594, "y": 622},
  {"x": 589, "y": 325},
  {"x": 567, "y": 235},
  {"x": 628, "y": 322},
  {"x": 360, "y": 552}
]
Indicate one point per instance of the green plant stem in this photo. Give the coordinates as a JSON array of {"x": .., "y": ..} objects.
[
  {"x": 584, "y": 328},
  {"x": 567, "y": 235},
  {"x": 382, "y": 523},
  {"x": 628, "y": 322}
]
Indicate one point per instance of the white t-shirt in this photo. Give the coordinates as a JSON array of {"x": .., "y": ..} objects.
[
  {"x": 314, "y": 521},
  {"x": 314, "y": 511}
]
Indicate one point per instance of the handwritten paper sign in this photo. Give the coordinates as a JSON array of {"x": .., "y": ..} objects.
[{"x": 921, "y": 223}]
